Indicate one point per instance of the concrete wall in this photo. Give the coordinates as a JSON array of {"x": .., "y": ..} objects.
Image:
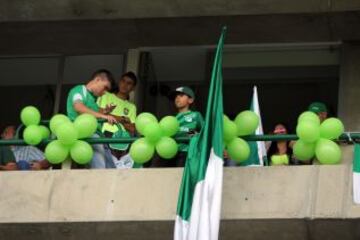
[
  {"x": 88, "y": 37},
  {"x": 293, "y": 202},
  {"x": 92, "y": 9}
]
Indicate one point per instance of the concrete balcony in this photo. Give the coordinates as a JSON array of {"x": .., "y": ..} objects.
[{"x": 294, "y": 202}]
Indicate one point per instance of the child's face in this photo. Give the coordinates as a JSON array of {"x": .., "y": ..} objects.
[
  {"x": 183, "y": 100},
  {"x": 322, "y": 116},
  {"x": 126, "y": 85}
]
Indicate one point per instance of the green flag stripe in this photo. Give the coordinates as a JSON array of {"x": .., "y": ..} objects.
[
  {"x": 200, "y": 145},
  {"x": 356, "y": 163}
]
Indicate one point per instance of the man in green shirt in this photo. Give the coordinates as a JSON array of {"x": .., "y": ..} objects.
[
  {"x": 125, "y": 113},
  {"x": 82, "y": 99},
  {"x": 124, "y": 110}
]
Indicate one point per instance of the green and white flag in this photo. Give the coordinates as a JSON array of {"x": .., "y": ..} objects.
[
  {"x": 199, "y": 203},
  {"x": 257, "y": 149},
  {"x": 356, "y": 174}
]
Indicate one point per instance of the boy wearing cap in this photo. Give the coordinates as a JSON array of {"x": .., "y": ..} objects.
[
  {"x": 320, "y": 109},
  {"x": 190, "y": 121}
]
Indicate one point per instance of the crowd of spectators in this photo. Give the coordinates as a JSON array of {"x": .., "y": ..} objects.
[{"x": 106, "y": 98}]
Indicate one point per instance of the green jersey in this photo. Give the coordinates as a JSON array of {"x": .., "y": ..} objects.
[
  {"x": 123, "y": 108},
  {"x": 190, "y": 122},
  {"x": 79, "y": 93},
  {"x": 6, "y": 155}
]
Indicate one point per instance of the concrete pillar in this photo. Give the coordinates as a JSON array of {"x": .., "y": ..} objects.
[
  {"x": 132, "y": 64},
  {"x": 349, "y": 93},
  {"x": 349, "y": 87}
]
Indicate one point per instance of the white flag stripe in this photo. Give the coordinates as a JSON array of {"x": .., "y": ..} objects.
[
  {"x": 206, "y": 205},
  {"x": 259, "y": 131},
  {"x": 181, "y": 229},
  {"x": 356, "y": 187}
]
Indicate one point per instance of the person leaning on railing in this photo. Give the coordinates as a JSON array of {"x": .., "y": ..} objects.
[
  {"x": 125, "y": 113},
  {"x": 27, "y": 157},
  {"x": 279, "y": 152},
  {"x": 82, "y": 99}
]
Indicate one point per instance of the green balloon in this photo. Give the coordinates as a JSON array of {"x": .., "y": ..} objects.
[
  {"x": 304, "y": 151},
  {"x": 86, "y": 125},
  {"x": 152, "y": 132},
  {"x": 57, "y": 120},
  {"x": 308, "y": 131},
  {"x": 169, "y": 125},
  {"x": 167, "y": 148},
  {"x": 30, "y": 115},
  {"x": 142, "y": 120},
  {"x": 331, "y": 128},
  {"x": 55, "y": 152},
  {"x": 238, "y": 150},
  {"x": 327, "y": 152},
  {"x": 81, "y": 152},
  {"x": 66, "y": 133},
  {"x": 230, "y": 130},
  {"x": 246, "y": 122},
  {"x": 32, "y": 135},
  {"x": 45, "y": 132},
  {"x": 226, "y": 118},
  {"x": 141, "y": 151},
  {"x": 309, "y": 116}
]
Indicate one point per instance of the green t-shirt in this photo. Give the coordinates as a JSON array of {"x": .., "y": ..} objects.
[
  {"x": 123, "y": 108},
  {"x": 79, "y": 93},
  {"x": 190, "y": 122},
  {"x": 6, "y": 155},
  {"x": 282, "y": 159}
]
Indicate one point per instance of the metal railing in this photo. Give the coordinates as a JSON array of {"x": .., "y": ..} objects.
[{"x": 346, "y": 137}]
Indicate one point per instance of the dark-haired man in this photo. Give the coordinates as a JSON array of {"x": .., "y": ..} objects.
[
  {"x": 82, "y": 99},
  {"x": 125, "y": 113}
]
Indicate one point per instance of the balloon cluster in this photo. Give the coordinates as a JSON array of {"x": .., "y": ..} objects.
[
  {"x": 245, "y": 123},
  {"x": 34, "y": 133},
  {"x": 67, "y": 134},
  {"x": 315, "y": 139},
  {"x": 157, "y": 136}
]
